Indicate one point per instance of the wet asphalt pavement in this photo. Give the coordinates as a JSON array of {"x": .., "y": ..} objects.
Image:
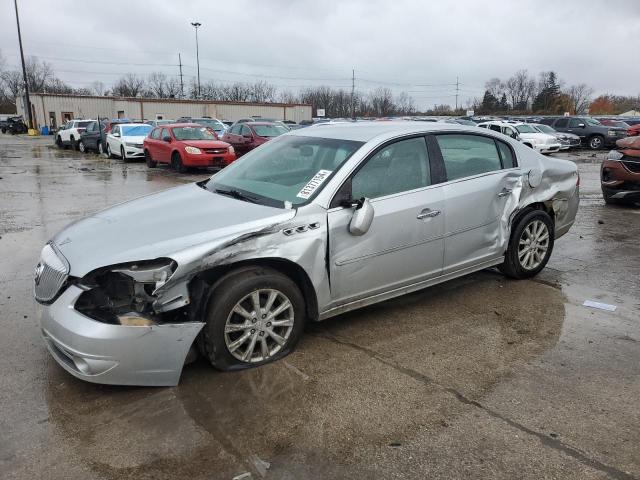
[{"x": 481, "y": 377}]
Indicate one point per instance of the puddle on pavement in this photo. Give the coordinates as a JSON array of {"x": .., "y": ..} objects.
[{"x": 355, "y": 384}]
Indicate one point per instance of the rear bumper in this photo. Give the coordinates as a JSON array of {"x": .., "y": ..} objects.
[{"x": 114, "y": 354}]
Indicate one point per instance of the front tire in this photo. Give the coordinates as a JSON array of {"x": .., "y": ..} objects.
[
  {"x": 123, "y": 155},
  {"x": 176, "y": 163},
  {"x": 255, "y": 315},
  {"x": 596, "y": 142},
  {"x": 109, "y": 152},
  {"x": 82, "y": 147},
  {"x": 530, "y": 245},
  {"x": 150, "y": 162},
  {"x": 100, "y": 148}
]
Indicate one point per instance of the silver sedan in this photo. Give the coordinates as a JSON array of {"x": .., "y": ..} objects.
[{"x": 310, "y": 225}]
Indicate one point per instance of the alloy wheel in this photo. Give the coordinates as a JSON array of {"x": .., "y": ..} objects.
[
  {"x": 259, "y": 325},
  {"x": 595, "y": 143},
  {"x": 533, "y": 245}
]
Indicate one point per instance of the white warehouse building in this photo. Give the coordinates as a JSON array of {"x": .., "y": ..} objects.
[{"x": 53, "y": 110}]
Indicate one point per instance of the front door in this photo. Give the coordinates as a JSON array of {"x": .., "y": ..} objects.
[
  {"x": 482, "y": 189},
  {"x": 404, "y": 244}
]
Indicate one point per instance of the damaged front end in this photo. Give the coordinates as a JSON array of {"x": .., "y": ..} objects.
[{"x": 111, "y": 326}]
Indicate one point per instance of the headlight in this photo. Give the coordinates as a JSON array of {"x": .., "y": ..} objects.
[
  {"x": 231, "y": 149},
  {"x": 193, "y": 150},
  {"x": 125, "y": 294},
  {"x": 611, "y": 133}
]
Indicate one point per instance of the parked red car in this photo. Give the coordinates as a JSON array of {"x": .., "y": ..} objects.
[
  {"x": 610, "y": 122},
  {"x": 247, "y": 136},
  {"x": 185, "y": 145}
]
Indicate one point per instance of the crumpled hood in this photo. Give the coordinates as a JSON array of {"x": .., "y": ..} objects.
[{"x": 159, "y": 225}]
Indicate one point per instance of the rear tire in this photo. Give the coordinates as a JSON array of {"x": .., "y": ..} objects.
[
  {"x": 100, "y": 148},
  {"x": 59, "y": 142},
  {"x": 596, "y": 142},
  {"x": 109, "y": 152},
  {"x": 74, "y": 145},
  {"x": 150, "y": 162},
  {"x": 530, "y": 245},
  {"x": 265, "y": 341},
  {"x": 81, "y": 147},
  {"x": 176, "y": 163}
]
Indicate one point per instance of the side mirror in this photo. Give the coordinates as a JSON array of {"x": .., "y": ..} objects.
[
  {"x": 166, "y": 138},
  {"x": 362, "y": 217},
  {"x": 116, "y": 134}
]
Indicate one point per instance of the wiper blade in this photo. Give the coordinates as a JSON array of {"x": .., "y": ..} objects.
[{"x": 236, "y": 194}]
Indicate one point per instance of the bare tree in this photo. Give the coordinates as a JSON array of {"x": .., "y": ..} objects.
[
  {"x": 382, "y": 102},
  {"x": 98, "y": 88},
  {"x": 495, "y": 87},
  {"x": 580, "y": 96},
  {"x": 520, "y": 90},
  {"x": 405, "y": 104},
  {"x": 156, "y": 82},
  {"x": 129, "y": 85}
]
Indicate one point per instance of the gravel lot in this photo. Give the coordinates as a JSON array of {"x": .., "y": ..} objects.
[{"x": 481, "y": 377}]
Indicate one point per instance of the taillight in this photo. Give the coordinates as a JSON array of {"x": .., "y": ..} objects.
[{"x": 80, "y": 130}]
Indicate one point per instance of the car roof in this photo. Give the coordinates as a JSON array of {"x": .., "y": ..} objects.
[
  {"x": 134, "y": 125},
  {"x": 182, "y": 124},
  {"x": 366, "y": 131}
]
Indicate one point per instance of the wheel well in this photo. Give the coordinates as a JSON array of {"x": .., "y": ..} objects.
[
  {"x": 174, "y": 153},
  {"x": 288, "y": 268},
  {"x": 544, "y": 206}
]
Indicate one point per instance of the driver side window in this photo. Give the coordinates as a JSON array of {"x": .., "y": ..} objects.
[
  {"x": 398, "y": 167},
  {"x": 574, "y": 122}
]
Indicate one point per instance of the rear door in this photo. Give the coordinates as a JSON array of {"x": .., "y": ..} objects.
[
  {"x": 152, "y": 143},
  {"x": 561, "y": 125},
  {"x": 479, "y": 195},
  {"x": 404, "y": 244}
]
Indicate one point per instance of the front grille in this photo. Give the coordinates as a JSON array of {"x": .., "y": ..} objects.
[
  {"x": 632, "y": 165},
  {"x": 50, "y": 275},
  {"x": 138, "y": 145},
  {"x": 215, "y": 151}
]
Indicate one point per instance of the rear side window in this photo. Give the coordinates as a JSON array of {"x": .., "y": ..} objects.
[
  {"x": 468, "y": 155},
  {"x": 398, "y": 167},
  {"x": 155, "y": 134},
  {"x": 506, "y": 154},
  {"x": 562, "y": 123},
  {"x": 575, "y": 122}
]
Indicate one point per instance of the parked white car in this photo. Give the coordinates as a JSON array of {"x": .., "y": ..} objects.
[
  {"x": 69, "y": 134},
  {"x": 525, "y": 133},
  {"x": 126, "y": 140}
]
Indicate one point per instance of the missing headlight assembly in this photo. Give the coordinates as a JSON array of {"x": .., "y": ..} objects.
[{"x": 126, "y": 294}]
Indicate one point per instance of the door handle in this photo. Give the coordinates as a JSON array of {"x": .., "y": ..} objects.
[
  {"x": 428, "y": 213},
  {"x": 505, "y": 192}
]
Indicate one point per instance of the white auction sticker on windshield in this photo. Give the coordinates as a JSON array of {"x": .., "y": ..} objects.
[{"x": 313, "y": 184}]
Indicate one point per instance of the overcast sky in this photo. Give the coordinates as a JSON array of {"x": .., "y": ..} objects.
[{"x": 402, "y": 44}]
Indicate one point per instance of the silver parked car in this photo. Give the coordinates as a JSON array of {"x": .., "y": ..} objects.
[{"x": 315, "y": 223}]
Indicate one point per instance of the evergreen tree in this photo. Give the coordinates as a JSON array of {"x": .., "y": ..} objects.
[{"x": 489, "y": 102}]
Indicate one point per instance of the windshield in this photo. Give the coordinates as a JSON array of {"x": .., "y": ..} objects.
[
  {"x": 136, "y": 131},
  {"x": 592, "y": 121},
  {"x": 269, "y": 130},
  {"x": 525, "y": 129},
  {"x": 290, "y": 168},
  {"x": 193, "y": 133},
  {"x": 217, "y": 126},
  {"x": 545, "y": 128}
]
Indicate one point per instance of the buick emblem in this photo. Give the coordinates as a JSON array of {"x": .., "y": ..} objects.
[{"x": 38, "y": 273}]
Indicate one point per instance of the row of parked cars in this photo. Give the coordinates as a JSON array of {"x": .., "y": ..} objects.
[{"x": 182, "y": 143}]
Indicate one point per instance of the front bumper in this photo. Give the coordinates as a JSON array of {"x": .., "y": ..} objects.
[
  {"x": 208, "y": 160},
  {"x": 134, "y": 152},
  {"x": 548, "y": 148},
  {"x": 114, "y": 354}
]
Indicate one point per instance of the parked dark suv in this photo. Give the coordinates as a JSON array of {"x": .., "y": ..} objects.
[{"x": 591, "y": 132}]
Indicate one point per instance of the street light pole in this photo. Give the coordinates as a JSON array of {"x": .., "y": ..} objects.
[
  {"x": 196, "y": 25},
  {"x": 24, "y": 71}
]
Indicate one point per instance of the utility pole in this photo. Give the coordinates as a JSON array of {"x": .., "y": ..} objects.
[
  {"x": 181, "y": 83},
  {"x": 457, "y": 89},
  {"x": 24, "y": 71},
  {"x": 353, "y": 91},
  {"x": 197, "y": 25}
]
